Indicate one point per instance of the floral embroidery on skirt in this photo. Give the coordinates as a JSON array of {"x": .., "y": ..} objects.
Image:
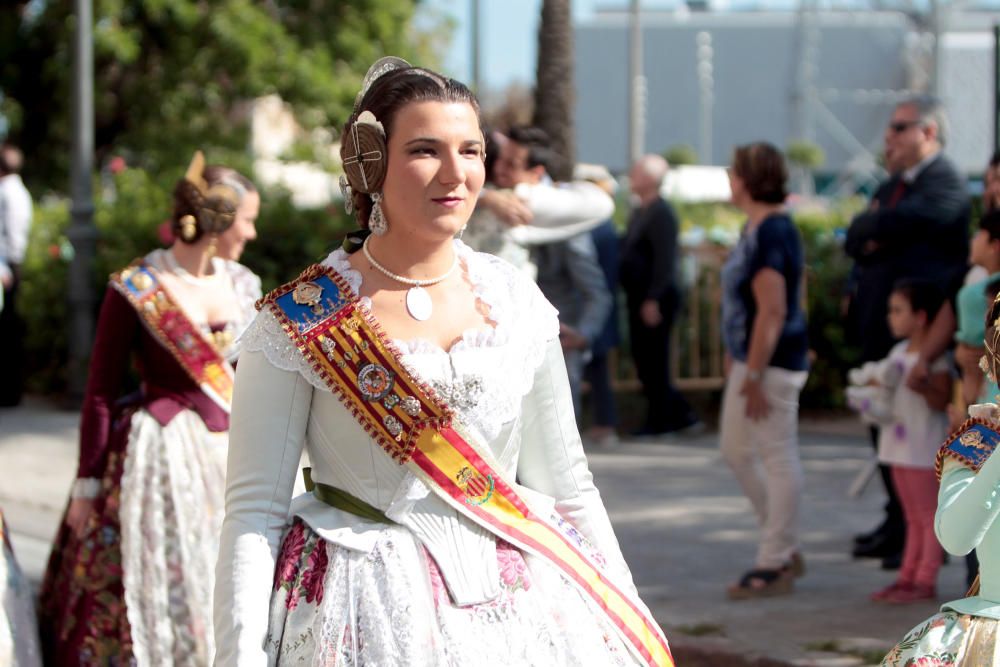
[
  {"x": 333, "y": 606},
  {"x": 136, "y": 588},
  {"x": 948, "y": 639}
]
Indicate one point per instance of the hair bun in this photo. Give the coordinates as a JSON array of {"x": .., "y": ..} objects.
[
  {"x": 218, "y": 211},
  {"x": 363, "y": 152}
]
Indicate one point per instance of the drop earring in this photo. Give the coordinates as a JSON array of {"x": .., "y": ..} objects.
[{"x": 376, "y": 221}]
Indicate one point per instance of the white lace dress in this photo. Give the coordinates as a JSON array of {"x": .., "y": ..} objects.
[
  {"x": 157, "y": 485},
  {"x": 430, "y": 588}
]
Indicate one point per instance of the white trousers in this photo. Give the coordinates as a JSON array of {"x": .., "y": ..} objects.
[{"x": 764, "y": 456}]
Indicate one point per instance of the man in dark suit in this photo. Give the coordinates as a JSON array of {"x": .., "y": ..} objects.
[
  {"x": 917, "y": 225},
  {"x": 648, "y": 273}
]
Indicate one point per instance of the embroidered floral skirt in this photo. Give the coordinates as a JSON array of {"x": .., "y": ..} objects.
[
  {"x": 948, "y": 639},
  {"x": 18, "y": 633},
  {"x": 336, "y": 607},
  {"x": 136, "y": 588}
]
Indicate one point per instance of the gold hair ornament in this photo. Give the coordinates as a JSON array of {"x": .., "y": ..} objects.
[
  {"x": 189, "y": 227},
  {"x": 215, "y": 205}
]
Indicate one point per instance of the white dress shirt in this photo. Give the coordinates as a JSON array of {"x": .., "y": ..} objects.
[{"x": 15, "y": 219}]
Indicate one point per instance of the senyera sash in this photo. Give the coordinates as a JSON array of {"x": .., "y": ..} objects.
[
  {"x": 346, "y": 347},
  {"x": 172, "y": 328}
]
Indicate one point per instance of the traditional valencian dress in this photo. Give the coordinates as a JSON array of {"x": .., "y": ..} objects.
[
  {"x": 966, "y": 632},
  {"x": 18, "y": 632},
  {"x": 137, "y": 587},
  {"x": 416, "y": 546}
]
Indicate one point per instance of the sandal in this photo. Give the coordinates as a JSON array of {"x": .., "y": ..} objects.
[
  {"x": 796, "y": 565},
  {"x": 761, "y": 583}
]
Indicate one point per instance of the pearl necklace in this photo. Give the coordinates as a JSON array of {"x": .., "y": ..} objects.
[{"x": 418, "y": 300}]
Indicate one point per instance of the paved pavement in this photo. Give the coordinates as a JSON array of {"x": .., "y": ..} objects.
[{"x": 684, "y": 526}]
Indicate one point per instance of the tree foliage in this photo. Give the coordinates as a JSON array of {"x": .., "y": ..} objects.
[
  {"x": 681, "y": 154},
  {"x": 175, "y": 75}
]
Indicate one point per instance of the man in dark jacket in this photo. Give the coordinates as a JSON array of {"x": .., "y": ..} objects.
[
  {"x": 917, "y": 225},
  {"x": 648, "y": 272}
]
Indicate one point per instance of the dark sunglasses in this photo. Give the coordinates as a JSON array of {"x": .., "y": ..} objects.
[{"x": 903, "y": 125}]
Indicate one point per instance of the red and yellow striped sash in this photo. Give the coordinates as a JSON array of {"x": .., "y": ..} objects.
[
  {"x": 172, "y": 328},
  {"x": 346, "y": 347}
]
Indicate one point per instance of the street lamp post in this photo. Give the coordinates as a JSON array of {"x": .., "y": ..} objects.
[
  {"x": 82, "y": 233},
  {"x": 637, "y": 86}
]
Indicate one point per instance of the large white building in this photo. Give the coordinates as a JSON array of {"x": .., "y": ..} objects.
[{"x": 715, "y": 80}]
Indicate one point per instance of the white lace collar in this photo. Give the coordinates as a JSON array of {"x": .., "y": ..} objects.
[
  {"x": 484, "y": 375},
  {"x": 486, "y": 291}
]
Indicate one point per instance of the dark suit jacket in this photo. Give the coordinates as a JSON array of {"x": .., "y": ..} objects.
[
  {"x": 648, "y": 268},
  {"x": 924, "y": 235}
]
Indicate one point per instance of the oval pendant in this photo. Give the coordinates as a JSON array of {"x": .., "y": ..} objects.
[{"x": 418, "y": 304}]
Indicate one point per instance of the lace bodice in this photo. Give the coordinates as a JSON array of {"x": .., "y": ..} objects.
[
  {"x": 484, "y": 375},
  {"x": 245, "y": 284}
]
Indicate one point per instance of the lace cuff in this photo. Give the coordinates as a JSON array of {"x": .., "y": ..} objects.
[{"x": 85, "y": 487}]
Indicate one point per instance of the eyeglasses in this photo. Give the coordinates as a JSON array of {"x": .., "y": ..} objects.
[{"x": 903, "y": 125}]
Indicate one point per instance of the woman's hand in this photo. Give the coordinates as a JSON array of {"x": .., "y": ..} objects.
[
  {"x": 968, "y": 358},
  {"x": 78, "y": 514},
  {"x": 757, "y": 406},
  {"x": 507, "y": 206},
  {"x": 650, "y": 313}
]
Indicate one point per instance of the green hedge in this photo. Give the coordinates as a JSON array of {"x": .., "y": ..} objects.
[
  {"x": 130, "y": 211},
  {"x": 133, "y": 206}
]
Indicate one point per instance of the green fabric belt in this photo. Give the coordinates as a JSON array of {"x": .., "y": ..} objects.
[{"x": 342, "y": 500}]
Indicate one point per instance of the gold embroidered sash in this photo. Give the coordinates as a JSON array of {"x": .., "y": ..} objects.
[
  {"x": 172, "y": 328},
  {"x": 346, "y": 348}
]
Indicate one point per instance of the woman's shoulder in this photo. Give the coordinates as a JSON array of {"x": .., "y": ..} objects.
[
  {"x": 779, "y": 224},
  {"x": 235, "y": 269}
]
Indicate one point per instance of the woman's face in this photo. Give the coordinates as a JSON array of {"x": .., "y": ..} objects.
[
  {"x": 435, "y": 169},
  {"x": 243, "y": 230}
]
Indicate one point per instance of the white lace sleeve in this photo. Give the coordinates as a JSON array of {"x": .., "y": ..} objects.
[{"x": 266, "y": 335}]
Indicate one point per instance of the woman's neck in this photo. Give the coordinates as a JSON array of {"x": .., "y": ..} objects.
[
  {"x": 412, "y": 258},
  {"x": 758, "y": 212},
  {"x": 193, "y": 258}
]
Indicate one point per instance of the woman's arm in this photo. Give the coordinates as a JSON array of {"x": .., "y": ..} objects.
[
  {"x": 968, "y": 504},
  {"x": 552, "y": 460},
  {"x": 937, "y": 391},
  {"x": 768, "y": 288},
  {"x": 117, "y": 331},
  {"x": 269, "y": 418}
]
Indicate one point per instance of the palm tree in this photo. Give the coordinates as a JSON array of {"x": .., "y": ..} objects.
[{"x": 554, "y": 96}]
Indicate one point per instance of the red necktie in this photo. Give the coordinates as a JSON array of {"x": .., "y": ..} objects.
[{"x": 897, "y": 193}]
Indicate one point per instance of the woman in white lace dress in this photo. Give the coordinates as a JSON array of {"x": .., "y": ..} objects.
[
  {"x": 130, "y": 577},
  {"x": 388, "y": 365}
]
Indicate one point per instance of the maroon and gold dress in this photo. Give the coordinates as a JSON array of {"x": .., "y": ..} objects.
[{"x": 136, "y": 588}]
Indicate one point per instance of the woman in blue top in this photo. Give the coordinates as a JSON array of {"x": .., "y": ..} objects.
[{"x": 764, "y": 331}]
